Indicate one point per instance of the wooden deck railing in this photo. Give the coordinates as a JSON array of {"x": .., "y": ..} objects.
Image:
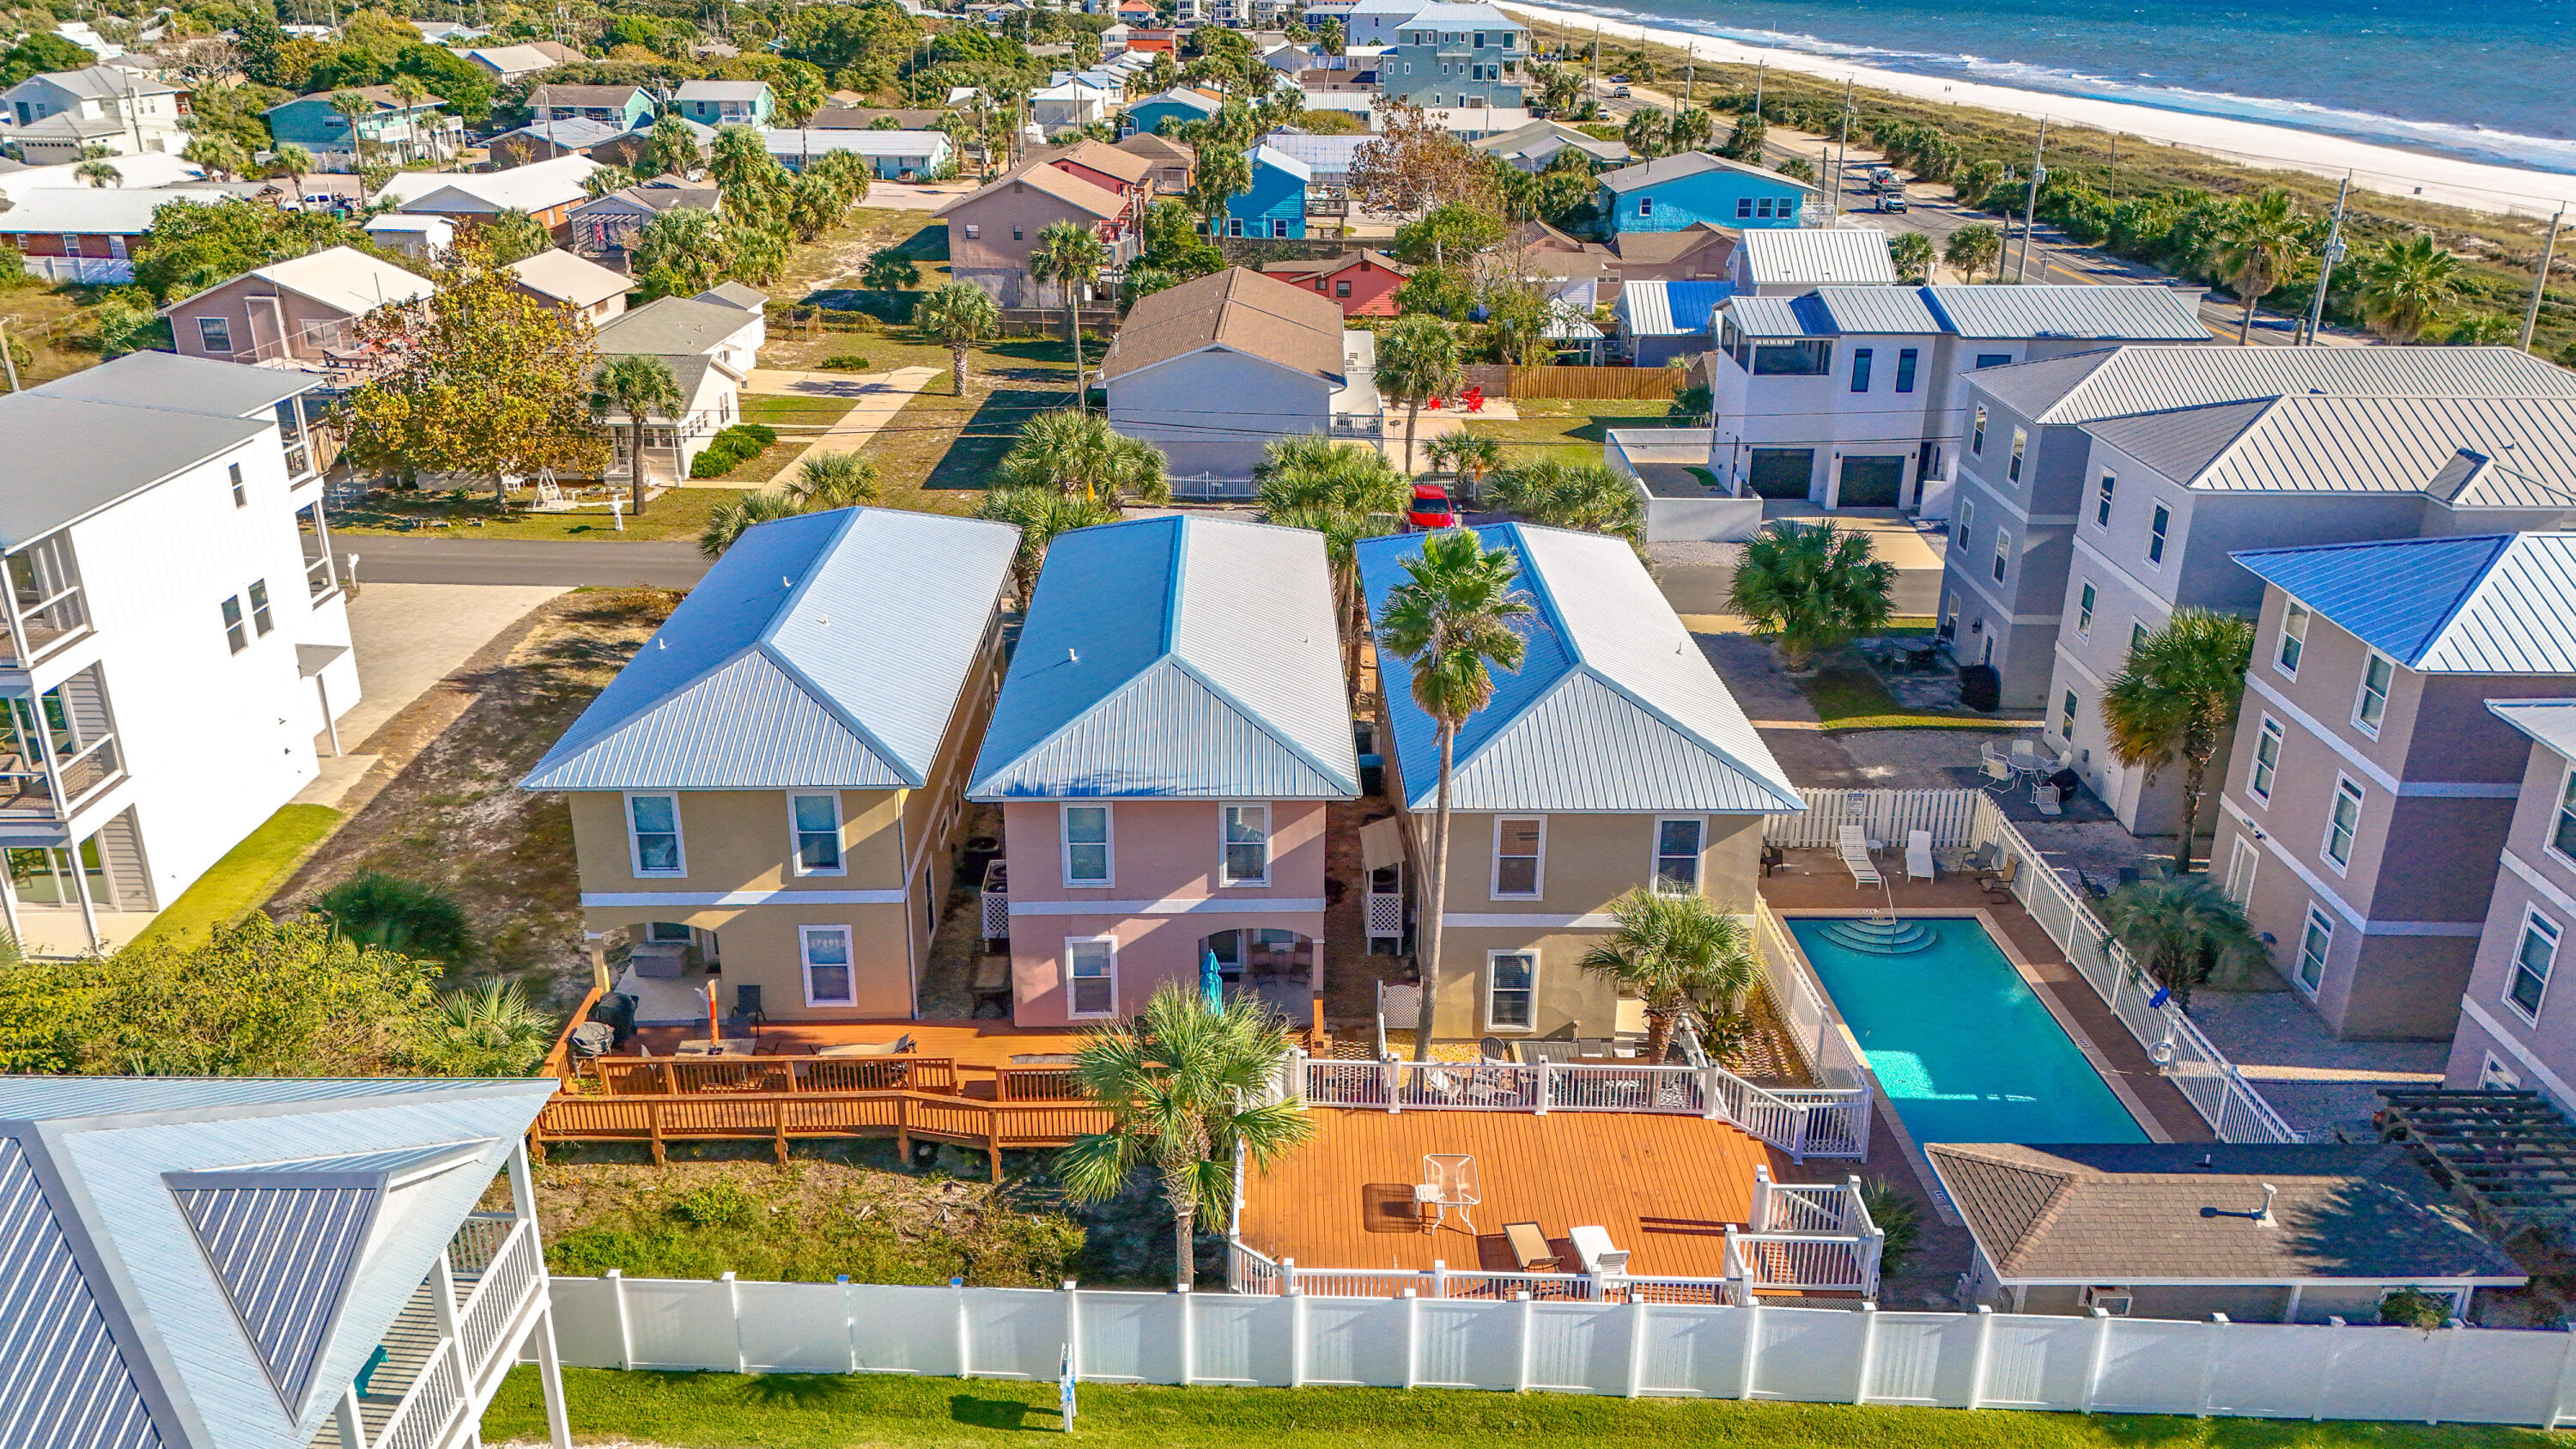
[
  {"x": 679, "y": 1076},
  {"x": 558, "y": 1062},
  {"x": 781, "y": 1116}
]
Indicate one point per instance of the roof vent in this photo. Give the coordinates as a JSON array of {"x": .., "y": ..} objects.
[{"x": 1070, "y": 657}]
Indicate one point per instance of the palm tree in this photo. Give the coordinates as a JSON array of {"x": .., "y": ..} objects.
[
  {"x": 1913, "y": 254},
  {"x": 2182, "y": 930},
  {"x": 960, "y": 314},
  {"x": 1222, "y": 174},
  {"x": 1691, "y": 129},
  {"x": 389, "y": 913},
  {"x": 1451, "y": 618},
  {"x": 292, "y": 162},
  {"x": 1974, "y": 248},
  {"x": 605, "y": 180},
  {"x": 1646, "y": 133},
  {"x": 672, "y": 148},
  {"x": 2177, "y": 696},
  {"x": 1343, "y": 491},
  {"x": 890, "y": 269},
  {"x": 1077, "y": 454},
  {"x": 1070, "y": 255},
  {"x": 638, "y": 385},
  {"x": 1678, "y": 956},
  {"x": 354, "y": 108},
  {"x": 1417, "y": 359},
  {"x": 99, "y": 174},
  {"x": 2255, "y": 244},
  {"x": 833, "y": 480},
  {"x": 739, "y": 160},
  {"x": 491, "y": 1030},
  {"x": 683, "y": 252},
  {"x": 1562, "y": 494},
  {"x": 512, "y": 235},
  {"x": 1813, "y": 587},
  {"x": 1470, "y": 457},
  {"x": 408, "y": 93},
  {"x": 2406, "y": 284},
  {"x": 1183, "y": 1083},
  {"x": 727, "y": 520},
  {"x": 1040, "y": 514}
]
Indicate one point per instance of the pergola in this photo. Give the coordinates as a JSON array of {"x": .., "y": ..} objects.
[{"x": 2513, "y": 1153}]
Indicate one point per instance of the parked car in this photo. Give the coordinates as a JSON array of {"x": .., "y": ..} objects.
[{"x": 1431, "y": 508}]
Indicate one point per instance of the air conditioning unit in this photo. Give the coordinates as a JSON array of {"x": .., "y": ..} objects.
[{"x": 2113, "y": 1301}]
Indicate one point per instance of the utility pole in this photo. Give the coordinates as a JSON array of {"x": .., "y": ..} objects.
[
  {"x": 2030, "y": 210},
  {"x": 1842, "y": 146},
  {"x": 1758, "y": 67},
  {"x": 2115, "y": 168},
  {"x": 1824, "y": 164},
  {"x": 1595, "y": 82},
  {"x": 1690, "y": 73},
  {"x": 2548, "y": 250},
  {"x": 2333, "y": 254}
]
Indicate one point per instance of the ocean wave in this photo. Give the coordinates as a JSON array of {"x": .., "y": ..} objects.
[{"x": 2468, "y": 142}]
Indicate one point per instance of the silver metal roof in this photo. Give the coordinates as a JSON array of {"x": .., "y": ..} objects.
[
  {"x": 1876, "y": 309},
  {"x": 1184, "y": 657},
  {"x": 1817, "y": 256},
  {"x": 168, "y": 381},
  {"x": 143, "y": 1302},
  {"x": 2494, "y": 604},
  {"x": 1761, "y": 317},
  {"x": 2069, "y": 310},
  {"x": 2118, "y": 381},
  {"x": 2550, "y": 721},
  {"x": 827, "y": 649},
  {"x": 1614, "y": 709},
  {"x": 69, "y": 457},
  {"x": 1692, "y": 163},
  {"x": 2471, "y": 452}
]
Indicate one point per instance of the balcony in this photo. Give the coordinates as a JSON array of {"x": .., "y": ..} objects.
[
  {"x": 58, "y": 750},
  {"x": 447, "y": 1353},
  {"x": 46, "y": 606}
]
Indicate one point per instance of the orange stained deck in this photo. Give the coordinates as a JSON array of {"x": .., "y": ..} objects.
[
  {"x": 977, "y": 1044},
  {"x": 1664, "y": 1186}
]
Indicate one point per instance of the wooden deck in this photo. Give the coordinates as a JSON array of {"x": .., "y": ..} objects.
[
  {"x": 1664, "y": 1187},
  {"x": 974, "y": 1044}
]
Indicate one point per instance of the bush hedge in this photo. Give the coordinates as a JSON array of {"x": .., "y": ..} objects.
[{"x": 732, "y": 448}]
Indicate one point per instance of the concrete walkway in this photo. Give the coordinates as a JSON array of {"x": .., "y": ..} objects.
[{"x": 875, "y": 398}]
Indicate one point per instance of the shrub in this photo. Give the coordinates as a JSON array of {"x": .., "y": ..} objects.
[
  {"x": 715, "y": 462},
  {"x": 845, "y": 362},
  {"x": 2407, "y": 1308},
  {"x": 732, "y": 448},
  {"x": 718, "y": 1204},
  {"x": 1898, "y": 1216},
  {"x": 405, "y": 917}
]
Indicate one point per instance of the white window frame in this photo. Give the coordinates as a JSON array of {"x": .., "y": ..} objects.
[
  {"x": 1967, "y": 520},
  {"x": 2360, "y": 800},
  {"x": 1531, "y": 1025},
  {"x": 2259, "y": 772},
  {"x": 1071, "y": 996},
  {"x": 2566, "y": 806},
  {"x": 1224, "y": 870},
  {"x": 2159, "y": 529},
  {"x": 2534, "y": 921},
  {"x": 1699, "y": 857},
  {"x": 2103, "y": 493},
  {"x": 208, "y": 327},
  {"x": 796, "y": 836},
  {"x": 2242, "y": 864},
  {"x": 2362, "y": 695},
  {"x": 2003, "y": 553},
  {"x": 2084, "y": 601},
  {"x": 805, "y": 937},
  {"x": 1494, "y": 872},
  {"x": 2292, "y": 646},
  {"x": 634, "y": 841},
  {"x": 2066, "y": 716},
  {"x": 2321, "y": 926},
  {"x": 2021, "y": 444},
  {"x": 1108, "y": 844},
  {"x": 2495, "y": 1076},
  {"x": 1977, "y": 433}
]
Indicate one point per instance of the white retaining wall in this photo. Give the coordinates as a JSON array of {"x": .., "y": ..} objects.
[{"x": 1951, "y": 1360}]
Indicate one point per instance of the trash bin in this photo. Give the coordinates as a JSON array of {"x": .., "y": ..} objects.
[{"x": 1981, "y": 688}]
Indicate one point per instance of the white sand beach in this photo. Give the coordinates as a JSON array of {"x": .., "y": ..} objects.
[{"x": 2473, "y": 185}]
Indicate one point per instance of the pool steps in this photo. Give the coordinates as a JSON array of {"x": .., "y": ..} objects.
[{"x": 1880, "y": 937}]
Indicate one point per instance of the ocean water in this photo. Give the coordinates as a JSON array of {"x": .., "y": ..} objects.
[{"x": 2487, "y": 82}]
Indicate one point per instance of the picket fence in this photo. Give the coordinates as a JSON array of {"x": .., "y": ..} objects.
[
  {"x": 1951, "y": 815},
  {"x": 1819, "y": 1355}
]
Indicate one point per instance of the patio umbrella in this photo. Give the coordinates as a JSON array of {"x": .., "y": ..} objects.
[{"x": 1212, "y": 982}]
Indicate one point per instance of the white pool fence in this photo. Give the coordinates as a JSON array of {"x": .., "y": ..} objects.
[{"x": 1634, "y": 1348}]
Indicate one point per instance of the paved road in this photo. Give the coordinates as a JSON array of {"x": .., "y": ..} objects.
[{"x": 661, "y": 563}]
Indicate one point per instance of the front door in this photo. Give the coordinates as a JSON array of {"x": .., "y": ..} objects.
[
  {"x": 1782, "y": 472},
  {"x": 1871, "y": 482}
]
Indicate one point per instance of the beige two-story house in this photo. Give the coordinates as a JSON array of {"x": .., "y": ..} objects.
[
  {"x": 764, "y": 800},
  {"x": 1613, "y": 758}
]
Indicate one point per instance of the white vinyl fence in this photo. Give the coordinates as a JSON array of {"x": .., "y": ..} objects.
[
  {"x": 1820, "y": 1355},
  {"x": 1951, "y": 816}
]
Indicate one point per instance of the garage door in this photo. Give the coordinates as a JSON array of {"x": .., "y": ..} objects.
[
  {"x": 1873, "y": 482},
  {"x": 1783, "y": 472}
]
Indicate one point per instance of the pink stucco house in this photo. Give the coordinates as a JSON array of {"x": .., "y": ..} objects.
[{"x": 1172, "y": 729}]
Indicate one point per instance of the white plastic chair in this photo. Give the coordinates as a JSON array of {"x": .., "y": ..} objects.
[
  {"x": 1853, "y": 844},
  {"x": 2045, "y": 797},
  {"x": 1918, "y": 855}
]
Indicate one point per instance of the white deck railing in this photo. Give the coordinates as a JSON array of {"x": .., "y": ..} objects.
[{"x": 1951, "y": 815}]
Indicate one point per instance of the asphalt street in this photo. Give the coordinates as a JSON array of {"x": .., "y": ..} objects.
[{"x": 663, "y": 563}]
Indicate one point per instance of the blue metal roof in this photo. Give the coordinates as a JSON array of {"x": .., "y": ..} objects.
[
  {"x": 825, "y": 649},
  {"x": 2491, "y": 604},
  {"x": 1180, "y": 657},
  {"x": 163, "y": 1281},
  {"x": 1614, "y": 708},
  {"x": 1670, "y": 309}
]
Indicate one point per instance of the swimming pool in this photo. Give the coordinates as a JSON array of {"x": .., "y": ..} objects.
[{"x": 1963, "y": 1049}]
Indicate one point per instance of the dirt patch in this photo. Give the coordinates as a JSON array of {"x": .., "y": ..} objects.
[{"x": 444, "y": 807}]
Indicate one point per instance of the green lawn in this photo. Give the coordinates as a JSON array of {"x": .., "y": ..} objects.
[
  {"x": 247, "y": 875},
  {"x": 799, "y": 411},
  {"x": 1570, "y": 428},
  {"x": 1847, "y": 696},
  {"x": 679, "y": 513},
  {"x": 837, "y": 1411}
]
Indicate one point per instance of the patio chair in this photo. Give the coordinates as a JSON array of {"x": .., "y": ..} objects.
[
  {"x": 2000, "y": 880},
  {"x": 1997, "y": 769},
  {"x": 1530, "y": 1250},
  {"x": 1853, "y": 844},
  {"x": 2025, "y": 755},
  {"x": 1918, "y": 855},
  {"x": 1472, "y": 401},
  {"x": 2045, "y": 797},
  {"x": 1984, "y": 857},
  {"x": 747, "y": 1016},
  {"x": 1453, "y": 1181}
]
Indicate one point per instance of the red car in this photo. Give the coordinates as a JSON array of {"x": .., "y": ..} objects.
[{"x": 1431, "y": 508}]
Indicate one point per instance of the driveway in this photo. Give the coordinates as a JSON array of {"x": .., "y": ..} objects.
[
  {"x": 408, "y": 637},
  {"x": 876, "y": 398},
  {"x": 912, "y": 196}
]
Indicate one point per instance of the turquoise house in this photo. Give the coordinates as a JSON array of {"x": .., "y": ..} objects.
[
  {"x": 1148, "y": 115},
  {"x": 1276, "y": 204},
  {"x": 1675, "y": 193}
]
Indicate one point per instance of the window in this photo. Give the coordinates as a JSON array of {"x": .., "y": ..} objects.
[
  {"x": 1744, "y": 208},
  {"x": 2240, "y": 871},
  {"x": 2156, "y": 530},
  {"x": 1511, "y": 982},
  {"x": 1793, "y": 359},
  {"x": 2562, "y": 836},
  {"x": 2102, "y": 501},
  {"x": 973, "y": 231},
  {"x": 827, "y": 965},
  {"x": 2137, "y": 635},
  {"x": 2531, "y": 965},
  {"x": 1091, "y": 975},
  {"x": 2003, "y": 552},
  {"x": 1234, "y": 226},
  {"x": 1677, "y": 847},
  {"x": 2267, "y": 760},
  {"x": 653, "y": 828},
  {"x": 1341, "y": 289},
  {"x": 670, "y": 931},
  {"x": 817, "y": 821},
  {"x": 2495, "y": 1076},
  {"x": 260, "y": 615},
  {"x": 2084, "y": 611},
  {"x": 2314, "y": 941},
  {"x": 234, "y": 634},
  {"x": 1016, "y": 234},
  {"x": 1086, "y": 845},
  {"x": 1247, "y": 845},
  {"x": 1992, "y": 359},
  {"x": 1519, "y": 843},
  {"x": 2342, "y": 823},
  {"x": 2066, "y": 717},
  {"x": 1860, "y": 369},
  {"x": 2021, "y": 444},
  {"x": 1977, "y": 433},
  {"x": 216, "y": 334},
  {"x": 1967, "y": 520},
  {"x": 2372, "y": 706},
  {"x": 1905, "y": 369},
  {"x": 1761, "y": 207},
  {"x": 2294, "y": 640},
  {"x": 1645, "y": 206}
]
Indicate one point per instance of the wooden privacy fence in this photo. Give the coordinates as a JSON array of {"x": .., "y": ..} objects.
[
  {"x": 782, "y": 1116},
  {"x": 1635, "y": 384}
]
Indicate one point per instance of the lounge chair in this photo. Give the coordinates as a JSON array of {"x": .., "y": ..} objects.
[
  {"x": 1530, "y": 1250},
  {"x": 896, "y": 1047},
  {"x": 1999, "y": 881},
  {"x": 1854, "y": 847},
  {"x": 1918, "y": 855}
]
